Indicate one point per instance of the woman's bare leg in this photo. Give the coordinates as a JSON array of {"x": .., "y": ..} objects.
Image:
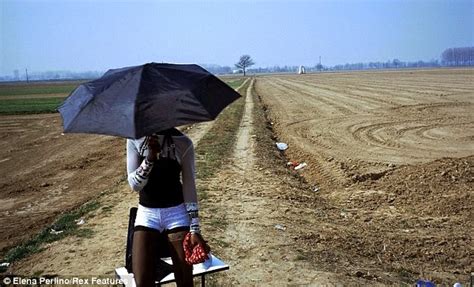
[
  {"x": 143, "y": 257},
  {"x": 182, "y": 271}
]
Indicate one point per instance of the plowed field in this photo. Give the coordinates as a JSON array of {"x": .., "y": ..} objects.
[
  {"x": 394, "y": 152},
  {"x": 374, "y": 121}
]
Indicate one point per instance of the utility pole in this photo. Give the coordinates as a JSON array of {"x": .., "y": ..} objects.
[{"x": 27, "y": 80}]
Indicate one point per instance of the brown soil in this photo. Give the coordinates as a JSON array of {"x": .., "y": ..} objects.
[
  {"x": 389, "y": 210},
  {"x": 45, "y": 173},
  {"x": 392, "y": 152}
]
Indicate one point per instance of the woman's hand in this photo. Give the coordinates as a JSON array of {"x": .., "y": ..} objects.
[
  {"x": 153, "y": 148},
  {"x": 196, "y": 239}
]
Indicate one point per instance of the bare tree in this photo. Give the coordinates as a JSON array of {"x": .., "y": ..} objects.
[{"x": 244, "y": 62}]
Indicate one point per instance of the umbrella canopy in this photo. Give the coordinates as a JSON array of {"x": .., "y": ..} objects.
[{"x": 133, "y": 102}]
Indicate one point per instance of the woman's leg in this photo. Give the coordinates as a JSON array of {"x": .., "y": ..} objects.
[
  {"x": 143, "y": 257},
  {"x": 182, "y": 271}
]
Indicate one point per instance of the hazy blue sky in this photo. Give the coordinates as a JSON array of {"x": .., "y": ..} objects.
[{"x": 97, "y": 35}]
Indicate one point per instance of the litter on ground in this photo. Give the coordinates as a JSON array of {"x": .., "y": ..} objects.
[
  {"x": 280, "y": 227},
  {"x": 56, "y": 232},
  {"x": 300, "y": 166},
  {"x": 292, "y": 163},
  {"x": 282, "y": 146}
]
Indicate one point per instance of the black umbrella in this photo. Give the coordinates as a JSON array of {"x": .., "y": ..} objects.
[{"x": 137, "y": 101}]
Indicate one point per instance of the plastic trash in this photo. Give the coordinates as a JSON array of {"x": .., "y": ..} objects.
[
  {"x": 292, "y": 163},
  {"x": 300, "y": 166},
  {"x": 81, "y": 221},
  {"x": 422, "y": 283},
  {"x": 5, "y": 264},
  {"x": 56, "y": 232},
  {"x": 282, "y": 146},
  {"x": 280, "y": 227},
  {"x": 457, "y": 284}
]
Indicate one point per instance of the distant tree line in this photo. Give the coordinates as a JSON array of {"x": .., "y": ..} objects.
[
  {"x": 216, "y": 69},
  {"x": 451, "y": 57},
  {"x": 458, "y": 56},
  {"x": 51, "y": 75},
  {"x": 390, "y": 64}
]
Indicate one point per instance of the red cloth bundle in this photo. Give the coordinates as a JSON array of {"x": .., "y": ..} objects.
[{"x": 194, "y": 255}]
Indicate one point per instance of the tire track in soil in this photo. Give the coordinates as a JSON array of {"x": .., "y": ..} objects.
[{"x": 258, "y": 253}]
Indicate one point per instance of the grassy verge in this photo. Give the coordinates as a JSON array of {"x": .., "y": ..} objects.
[
  {"x": 217, "y": 145},
  {"x": 236, "y": 83}
]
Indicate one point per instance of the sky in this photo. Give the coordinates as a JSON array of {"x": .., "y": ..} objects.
[{"x": 95, "y": 35}]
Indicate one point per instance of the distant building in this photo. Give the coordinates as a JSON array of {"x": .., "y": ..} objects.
[
  {"x": 301, "y": 70},
  {"x": 16, "y": 75}
]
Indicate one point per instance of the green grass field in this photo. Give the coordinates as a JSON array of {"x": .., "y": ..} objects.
[
  {"x": 33, "y": 98},
  {"x": 44, "y": 96},
  {"x": 37, "y": 89},
  {"x": 29, "y": 106}
]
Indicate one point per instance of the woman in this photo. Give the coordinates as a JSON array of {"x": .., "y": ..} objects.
[{"x": 167, "y": 204}]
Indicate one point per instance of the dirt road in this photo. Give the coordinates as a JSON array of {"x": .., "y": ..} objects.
[{"x": 257, "y": 226}]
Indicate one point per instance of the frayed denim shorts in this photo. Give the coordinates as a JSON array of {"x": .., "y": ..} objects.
[{"x": 162, "y": 219}]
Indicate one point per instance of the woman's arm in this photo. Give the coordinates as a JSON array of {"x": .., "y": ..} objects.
[
  {"x": 189, "y": 187},
  {"x": 137, "y": 171}
]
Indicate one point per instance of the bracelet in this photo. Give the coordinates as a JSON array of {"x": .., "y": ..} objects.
[
  {"x": 194, "y": 227},
  {"x": 193, "y": 212}
]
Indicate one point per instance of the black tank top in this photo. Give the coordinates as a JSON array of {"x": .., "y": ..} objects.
[{"x": 163, "y": 188}]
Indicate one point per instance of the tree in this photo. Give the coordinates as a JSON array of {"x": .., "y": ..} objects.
[
  {"x": 458, "y": 56},
  {"x": 244, "y": 62}
]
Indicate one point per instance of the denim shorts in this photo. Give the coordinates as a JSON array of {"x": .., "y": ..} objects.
[{"x": 162, "y": 219}]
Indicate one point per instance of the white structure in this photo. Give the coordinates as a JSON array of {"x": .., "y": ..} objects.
[{"x": 301, "y": 70}]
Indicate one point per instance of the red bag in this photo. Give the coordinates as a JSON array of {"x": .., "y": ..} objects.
[{"x": 194, "y": 255}]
